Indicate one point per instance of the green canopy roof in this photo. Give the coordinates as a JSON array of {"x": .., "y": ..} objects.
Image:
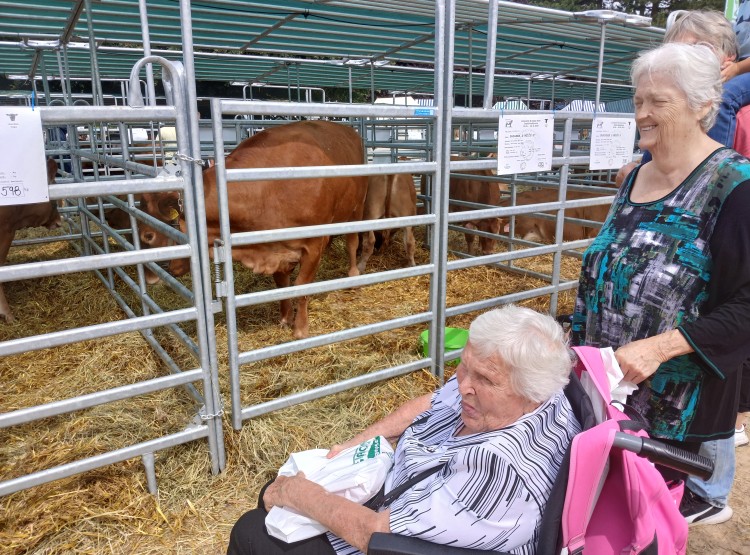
[{"x": 387, "y": 45}]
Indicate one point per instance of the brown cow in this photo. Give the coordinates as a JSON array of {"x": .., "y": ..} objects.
[
  {"x": 542, "y": 230},
  {"x": 263, "y": 205},
  {"x": 13, "y": 218},
  {"x": 478, "y": 192},
  {"x": 389, "y": 196}
]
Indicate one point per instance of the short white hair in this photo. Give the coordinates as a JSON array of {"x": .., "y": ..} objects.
[
  {"x": 532, "y": 345},
  {"x": 692, "y": 68}
]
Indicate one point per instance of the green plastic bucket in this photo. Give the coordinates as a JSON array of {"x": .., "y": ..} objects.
[{"x": 455, "y": 338}]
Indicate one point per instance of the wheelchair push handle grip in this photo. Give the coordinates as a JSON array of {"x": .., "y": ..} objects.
[{"x": 666, "y": 455}]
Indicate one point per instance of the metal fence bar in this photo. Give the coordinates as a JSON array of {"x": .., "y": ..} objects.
[
  {"x": 31, "y": 414},
  {"x": 78, "y": 467},
  {"x": 338, "y": 387}
]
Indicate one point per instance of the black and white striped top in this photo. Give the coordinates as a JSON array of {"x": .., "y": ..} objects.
[{"x": 491, "y": 493}]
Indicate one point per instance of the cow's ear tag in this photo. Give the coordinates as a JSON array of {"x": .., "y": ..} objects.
[{"x": 173, "y": 214}]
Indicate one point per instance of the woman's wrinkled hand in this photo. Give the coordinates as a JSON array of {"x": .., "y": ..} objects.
[
  {"x": 640, "y": 359},
  {"x": 281, "y": 490}
]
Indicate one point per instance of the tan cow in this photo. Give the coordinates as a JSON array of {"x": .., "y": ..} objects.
[
  {"x": 478, "y": 192},
  {"x": 264, "y": 205},
  {"x": 389, "y": 196},
  {"x": 13, "y": 218},
  {"x": 541, "y": 230}
]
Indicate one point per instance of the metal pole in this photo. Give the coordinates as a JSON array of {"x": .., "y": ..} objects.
[
  {"x": 372, "y": 82},
  {"x": 96, "y": 84},
  {"x": 528, "y": 94},
  {"x": 560, "y": 216},
  {"x": 445, "y": 15},
  {"x": 146, "y": 38},
  {"x": 552, "y": 101},
  {"x": 296, "y": 68},
  {"x": 489, "y": 64},
  {"x": 601, "y": 64},
  {"x": 202, "y": 263},
  {"x": 45, "y": 84},
  {"x": 63, "y": 84},
  {"x": 350, "y": 86},
  {"x": 471, "y": 70}
]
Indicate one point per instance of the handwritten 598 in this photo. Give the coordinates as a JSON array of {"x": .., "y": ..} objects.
[{"x": 11, "y": 191}]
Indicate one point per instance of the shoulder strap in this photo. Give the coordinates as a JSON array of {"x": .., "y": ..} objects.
[
  {"x": 588, "y": 470},
  {"x": 384, "y": 500}
]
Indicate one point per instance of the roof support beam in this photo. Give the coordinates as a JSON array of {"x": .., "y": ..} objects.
[
  {"x": 596, "y": 64},
  {"x": 70, "y": 24},
  {"x": 268, "y": 31},
  {"x": 34, "y": 62},
  {"x": 270, "y": 72},
  {"x": 529, "y": 51}
]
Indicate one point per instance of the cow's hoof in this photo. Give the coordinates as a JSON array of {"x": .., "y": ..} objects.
[
  {"x": 300, "y": 334},
  {"x": 9, "y": 319}
]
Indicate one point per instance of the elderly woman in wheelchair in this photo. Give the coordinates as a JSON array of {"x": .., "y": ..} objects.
[{"x": 475, "y": 461}]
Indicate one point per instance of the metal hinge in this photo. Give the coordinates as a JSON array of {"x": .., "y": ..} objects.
[{"x": 220, "y": 259}]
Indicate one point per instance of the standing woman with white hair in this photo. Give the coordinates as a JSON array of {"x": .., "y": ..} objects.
[{"x": 667, "y": 280}]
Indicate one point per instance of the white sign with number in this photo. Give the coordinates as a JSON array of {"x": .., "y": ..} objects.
[
  {"x": 524, "y": 143},
  {"x": 612, "y": 141},
  {"x": 23, "y": 165}
]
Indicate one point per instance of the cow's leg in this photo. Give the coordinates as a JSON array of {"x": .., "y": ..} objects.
[
  {"x": 5, "y": 307},
  {"x": 368, "y": 242},
  {"x": 308, "y": 267},
  {"x": 385, "y": 240},
  {"x": 491, "y": 225},
  {"x": 469, "y": 237},
  {"x": 287, "y": 313},
  {"x": 352, "y": 242},
  {"x": 409, "y": 245},
  {"x": 5, "y": 242}
]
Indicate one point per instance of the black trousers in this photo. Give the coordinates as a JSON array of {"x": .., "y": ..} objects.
[
  {"x": 745, "y": 388},
  {"x": 249, "y": 537}
]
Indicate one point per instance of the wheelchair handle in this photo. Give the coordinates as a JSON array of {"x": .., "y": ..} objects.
[{"x": 666, "y": 455}]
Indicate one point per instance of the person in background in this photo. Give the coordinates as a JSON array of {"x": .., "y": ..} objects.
[
  {"x": 495, "y": 434},
  {"x": 666, "y": 282},
  {"x": 736, "y": 76}
]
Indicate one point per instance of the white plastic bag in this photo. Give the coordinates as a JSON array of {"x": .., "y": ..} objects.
[
  {"x": 619, "y": 389},
  {"x": 356, "y": 473}
]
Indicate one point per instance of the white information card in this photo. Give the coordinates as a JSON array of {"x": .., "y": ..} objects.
[
  {"x": 525, "y": 143},
  {"x": 23, "y": 165},
  {"x": 612, "y": 141}
]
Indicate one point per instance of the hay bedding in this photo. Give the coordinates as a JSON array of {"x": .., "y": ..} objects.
[{"x": 109, "y": 510}]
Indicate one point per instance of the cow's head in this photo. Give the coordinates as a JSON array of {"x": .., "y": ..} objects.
[{"x": 167, "y": 208}]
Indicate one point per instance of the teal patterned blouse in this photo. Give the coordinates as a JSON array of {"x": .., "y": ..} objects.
[{"x": 650, "y": 270}]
